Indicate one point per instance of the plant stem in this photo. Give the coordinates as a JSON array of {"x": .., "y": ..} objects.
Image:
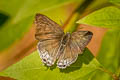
[
  {"x": 114, "y": 76},
  {"x": 79, "y": 10},
  {"x": 87, "y": 7}
]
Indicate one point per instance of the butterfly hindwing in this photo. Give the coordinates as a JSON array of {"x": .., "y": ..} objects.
[
  {"x": 49, "y": 35},
  {"x": 68, "y": 56},
  {"x": 48, "y": 51}
]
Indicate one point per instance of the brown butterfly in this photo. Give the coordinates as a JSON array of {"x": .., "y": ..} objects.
[{"x": 54, "y": 44}]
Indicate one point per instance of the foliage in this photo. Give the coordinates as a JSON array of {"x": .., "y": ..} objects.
[
  {"x": 85, "y": 66},
  {"x": 17, "y": 19},
  {"x": 103, "y": 18}
]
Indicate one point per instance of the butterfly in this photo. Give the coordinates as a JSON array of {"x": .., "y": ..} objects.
[{"x": 55, "y": 45}]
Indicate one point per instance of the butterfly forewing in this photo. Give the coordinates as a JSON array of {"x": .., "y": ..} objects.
[
  {"x": 46, "y": 28},
  {"x": 80, "y": 39},
  {"x": 49, "y": 35}
]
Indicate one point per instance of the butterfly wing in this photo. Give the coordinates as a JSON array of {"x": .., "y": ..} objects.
[
  {"x": 80, "y": 39},
  {"x": 75, "y": 46},
  {"x": 49, "y": 35},
  {"x": 46, "y": 28}
]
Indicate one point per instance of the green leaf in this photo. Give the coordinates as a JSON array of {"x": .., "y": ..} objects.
[
  {"x": 25, "y": 8},
  {"x": 31, "y": 68},
  {"x": 109, "y": 54},
  {"x": 108, "y": 17},
  {"x": 3, "y": 19},
  {"x": 115, "y": 1},
  {"x": 21, "y": 15},
  {"x": 100, "y": 75},
  {"x": 11, "y": 32}
]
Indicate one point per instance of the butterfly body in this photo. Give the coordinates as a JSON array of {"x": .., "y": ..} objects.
[
  {"x": 55, "y": 45},
  {"x": 65, "y": 38},
  {"x": 64, "y": 41}
]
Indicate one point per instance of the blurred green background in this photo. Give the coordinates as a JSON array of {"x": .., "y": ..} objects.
[{"x": 17, "y": 39}]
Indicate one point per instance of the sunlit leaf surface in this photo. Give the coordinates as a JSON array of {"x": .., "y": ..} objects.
[
  {"x": 108, "y": 17},
  {"x": 31, "y": 68}
]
